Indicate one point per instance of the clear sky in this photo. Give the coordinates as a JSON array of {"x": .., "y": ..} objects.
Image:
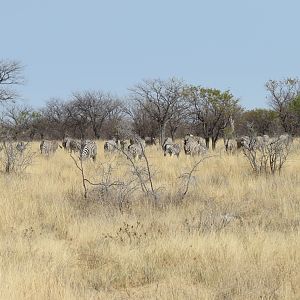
[{"x": 72, "y": 45}]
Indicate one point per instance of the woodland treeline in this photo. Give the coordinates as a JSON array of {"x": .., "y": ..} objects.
[{"x": 152, "y": 108}]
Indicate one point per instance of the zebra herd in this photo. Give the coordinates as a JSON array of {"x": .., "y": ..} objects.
[
  {"x": 135, "y": 147},
  {"x": 257, "y": 142},
  {"x": 85, "y": 148},
  {"x": 194, "y": 145}
]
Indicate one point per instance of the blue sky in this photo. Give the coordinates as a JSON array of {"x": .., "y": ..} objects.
[{"x": 72, "y": 45}]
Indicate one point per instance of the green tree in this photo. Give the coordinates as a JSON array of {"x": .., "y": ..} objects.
[
  {"x": 264, "y": 121},
  {"x": 282, "y": 93},
  {"x": 211, "y": 111}
]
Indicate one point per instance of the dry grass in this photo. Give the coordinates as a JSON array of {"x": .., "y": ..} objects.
[{"x": 235, "y": 236}]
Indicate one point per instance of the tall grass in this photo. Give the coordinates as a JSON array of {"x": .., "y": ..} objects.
[{"x": 235, "y": 235}]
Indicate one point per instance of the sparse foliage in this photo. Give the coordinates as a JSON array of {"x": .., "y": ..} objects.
[
  {"x": 10, "y": 76},
  {"x": 281, "y": 95},
  {"x": 161, "y": 100},
  {"x": 267, "y": 156},
  {"x": 15, "y": 159}
]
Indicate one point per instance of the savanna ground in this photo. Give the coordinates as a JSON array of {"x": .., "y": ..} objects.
[{"x": 234, "y": 235}]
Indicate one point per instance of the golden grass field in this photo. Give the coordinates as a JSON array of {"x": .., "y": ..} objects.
[{"x": 57, "y": 245}]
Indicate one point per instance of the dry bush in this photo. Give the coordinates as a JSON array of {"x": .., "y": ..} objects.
[
  {"x": 15, "y": 160},
  {"x": 267, "y": 157}
]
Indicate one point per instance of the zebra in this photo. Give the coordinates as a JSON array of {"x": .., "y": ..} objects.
[
  {"x": 66, "y": 143},
  {"x": 243, "y": 142},
  {"x": 138, "y": 141},
  {"x": 172, "y": 149},
  {"x": 149, "y": 141},
  {"x": 136, "y": 150},
  {"x": 124, "y": 144},
  {"x": 48, "y": 147},
  {"x": 230, "y": 145},
  {"x": 71, "y": 145},
  {"x": 286, "y": 138},
  {"x": 110, "y": 146},
  {"x": 74, "y": 146},
  {"x": 255, "y": 142},
  {"x": 167, "y": 141},
  {"x": 194, "y": 145},
  {"x": 21, "y": 146},
  {"x": 88, "y": 150},
  {"x": 281, "y": 143}
]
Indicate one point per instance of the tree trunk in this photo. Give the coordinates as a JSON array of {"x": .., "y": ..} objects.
[
  {"x": 207, "y": 142},
  {"x": 214, "y": 143},
  {"x": 96, "y": 134},
  {"x": 173, "y": 131},
  {"x": 162, "y": 133}
]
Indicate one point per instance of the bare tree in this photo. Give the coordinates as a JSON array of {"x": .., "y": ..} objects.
[
  {"x": 281, "y": 95},
  {"x": 77, "y": 120},
  {"x": 160, "y": 100},
  {"x": 55, "y": 118},
  {"x": 95, "y": 108},
  {"x": 142, "y": 123},
  {"x": 17, "y": 121},
  {"x": 10, "y": 76},
  {"x": 176, "y": 121}
]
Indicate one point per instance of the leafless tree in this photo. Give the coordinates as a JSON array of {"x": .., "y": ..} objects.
[
  {"x": 55, "y": 121},
  {"x": 17, "y": 120},
  {"x": 160, "y": 100},
  {"x": 10, "y": 76},
  {"x": 176, "y": 121},
  {"x": 142, "y": 123},
  {"x": 95, "y": 108}
]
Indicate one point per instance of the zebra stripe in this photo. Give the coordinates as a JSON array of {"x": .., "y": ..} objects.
[
  {"x": 194, "y": 145},
  {"x": 110, "y": 146},
  {"x": 136, "y": 151},
  {"x": 172, "y": 149},
  {"x": 71, "y": 145},
  {"x": 88, "y": 150},
  {"x": 21, "y": 146},
  {"x": 48, "y": 147}
]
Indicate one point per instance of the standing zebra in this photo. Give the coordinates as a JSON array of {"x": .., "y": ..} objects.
[
  {"x": 172, "y": 149},
  {"x": 71, "y": 145},
  {"x": 136, "y": 150},
  {"x": 74, "y": 145},
  {"x": 167, "y": 141},
  {"x": 124, "y": 145},
  {"x": 194, "y": 145},
  {"x": 230, "y": 145},
  {"x": 110, "y": 146},
  {"x": 88, "y": 150},
  {"x": 149, "y": 141},
  {"x": 65, "y": 143},
  {"x": 48, "y": 147},
  {"x": 21, "y": 146}
]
